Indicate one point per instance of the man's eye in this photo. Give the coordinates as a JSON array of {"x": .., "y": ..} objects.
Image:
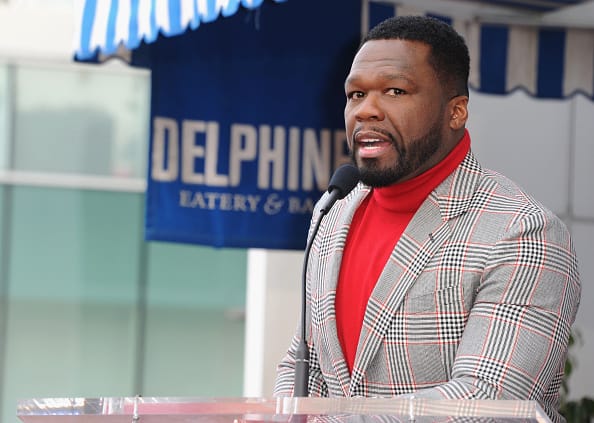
[
  {"x": 395, "y": 91},
  {"x": 355, "y": 95}
]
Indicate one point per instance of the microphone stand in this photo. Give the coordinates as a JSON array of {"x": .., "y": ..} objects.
[{"x": 342, "y": 182}]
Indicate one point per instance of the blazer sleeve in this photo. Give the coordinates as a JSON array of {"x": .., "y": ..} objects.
[
  {"x": 515, "y": 342},
  {"x": 285, "y": 373}
]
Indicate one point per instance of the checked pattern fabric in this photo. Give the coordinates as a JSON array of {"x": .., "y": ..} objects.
[{"x": 475, "y": 302}]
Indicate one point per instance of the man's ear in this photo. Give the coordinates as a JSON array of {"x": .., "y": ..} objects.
[{"x": 458, "y": 108}]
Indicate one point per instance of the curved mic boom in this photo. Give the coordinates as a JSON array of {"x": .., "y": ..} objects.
[{"x": 344, "y": 179}]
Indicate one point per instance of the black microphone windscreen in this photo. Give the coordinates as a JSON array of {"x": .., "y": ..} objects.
[{"x": 344, "y": 179}]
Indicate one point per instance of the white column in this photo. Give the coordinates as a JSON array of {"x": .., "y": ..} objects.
[{"x": 272, "y": 315}]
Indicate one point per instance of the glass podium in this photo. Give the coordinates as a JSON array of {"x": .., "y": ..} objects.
[{"x": 290, "y": 410}]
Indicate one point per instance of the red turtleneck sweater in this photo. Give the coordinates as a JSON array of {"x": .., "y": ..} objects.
[{"x": 376, "y": 227}]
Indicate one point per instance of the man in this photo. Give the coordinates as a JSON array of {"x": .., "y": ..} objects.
[{"x": 433, "y": 276}]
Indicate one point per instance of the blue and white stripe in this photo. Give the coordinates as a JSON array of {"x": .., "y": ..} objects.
[
  {"x": 110, "y": 24},
  {"x": 545, "y": 62}
]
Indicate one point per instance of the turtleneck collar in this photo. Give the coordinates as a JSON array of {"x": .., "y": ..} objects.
[{"x": 407, "y": 196}]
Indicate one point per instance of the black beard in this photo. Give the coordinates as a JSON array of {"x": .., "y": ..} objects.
[{"x": 410, "y": 158}]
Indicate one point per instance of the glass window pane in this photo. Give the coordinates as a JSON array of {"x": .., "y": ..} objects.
[
  {"x": 87, "y": 121},
  {"x": 83, "y": 247},
  {"x": 3, "y": 200},
  {"x": 4, "y": 120},
  {"x": 75, "y": 257},
  {"x": 72, "y": 311},
  {"x": 195, "y": 324}
]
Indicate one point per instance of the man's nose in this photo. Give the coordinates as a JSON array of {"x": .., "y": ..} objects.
[{"x": 369, "y": 108}]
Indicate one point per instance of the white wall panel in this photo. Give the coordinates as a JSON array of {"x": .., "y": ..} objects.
[
  {"x": 526, "y": 140},
  {"x": 583, "y": 170},
  {"x": 581, "y": 382}
]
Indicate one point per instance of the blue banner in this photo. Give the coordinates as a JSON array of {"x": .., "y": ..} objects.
[{"x": 247, "y": 124}]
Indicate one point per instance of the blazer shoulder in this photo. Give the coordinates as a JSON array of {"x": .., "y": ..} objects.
[{"x": 474, "y": 190}]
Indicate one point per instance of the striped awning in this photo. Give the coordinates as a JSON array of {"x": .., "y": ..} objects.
[
  {"x": 531, "y": 46},
  {"x": 107, "y": 26}
]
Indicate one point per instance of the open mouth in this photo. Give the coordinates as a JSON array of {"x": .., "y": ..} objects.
[
  {"x": 372, "y": 147},
  {"x": 370, "y": 143}
]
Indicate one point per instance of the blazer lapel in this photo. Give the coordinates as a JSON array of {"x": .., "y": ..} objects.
[
  {"x": 332, "y": 239},
  {"x": 423, "y": 237},
  {"x": 406, "y": 262}
]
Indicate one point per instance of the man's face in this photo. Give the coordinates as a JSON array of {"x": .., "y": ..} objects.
[{"x": 395, "y": 115}]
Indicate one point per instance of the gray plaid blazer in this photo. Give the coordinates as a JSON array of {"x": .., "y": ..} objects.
[{"x": 476, "y": 300}]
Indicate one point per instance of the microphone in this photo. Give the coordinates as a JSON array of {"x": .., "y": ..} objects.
[{"x": 344, "y": 179}]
